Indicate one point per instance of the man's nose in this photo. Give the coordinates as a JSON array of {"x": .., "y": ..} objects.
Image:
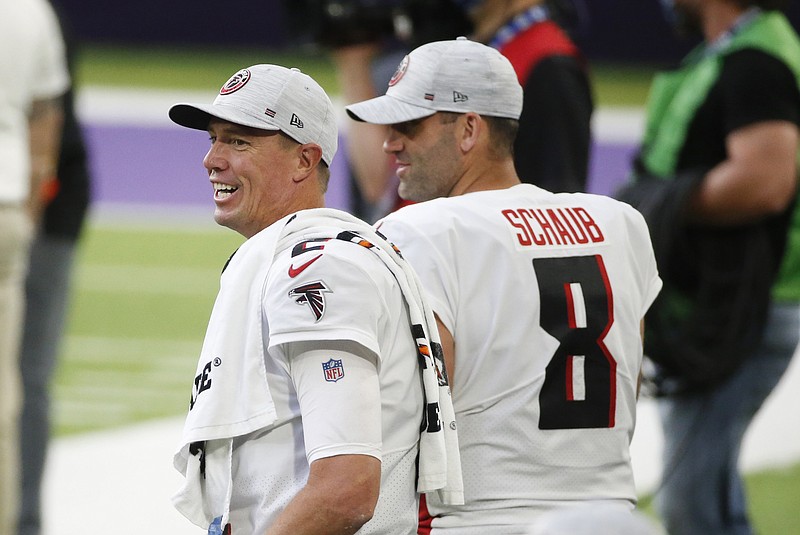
[
  {"x": 392, "y": 142},
  {"x": 213, "y": 158}
]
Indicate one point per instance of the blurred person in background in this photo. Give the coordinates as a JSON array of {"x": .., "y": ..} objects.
[
  {"x": 66, "y": 196},
  {"x": 35, "y": 77},
  {"x": 366, "y": 39},
  {"x": 716, "y": 178},
  {"x": 553, "y": 145}
]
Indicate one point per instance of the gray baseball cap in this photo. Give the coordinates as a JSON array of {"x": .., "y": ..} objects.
[
  {"x": 269, "y": 97},
  {"x": 458, "y": 76}
]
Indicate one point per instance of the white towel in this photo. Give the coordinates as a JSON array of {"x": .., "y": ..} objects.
[
  {"x": 240, "y": 401},
  {"x": 439, "y": 458}
]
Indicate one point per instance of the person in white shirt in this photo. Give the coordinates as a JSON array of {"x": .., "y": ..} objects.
[
  {"x": 35, "y": 76},
  {"x": 539, "y": 296},
  {"x": 316, "y": 406}
]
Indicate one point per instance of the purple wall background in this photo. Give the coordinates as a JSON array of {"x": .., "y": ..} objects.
[{"x": 162, "y": 166}]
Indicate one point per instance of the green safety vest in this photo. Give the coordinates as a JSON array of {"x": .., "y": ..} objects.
[{"x": 675, "y": 97}]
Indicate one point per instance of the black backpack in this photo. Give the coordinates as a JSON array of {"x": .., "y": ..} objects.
[{"x": 711, "y": 312}]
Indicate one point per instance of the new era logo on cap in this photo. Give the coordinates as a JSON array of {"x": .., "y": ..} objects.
[
  {"x": 270, "y": 97},
  {"x": 479, "y": 78}
]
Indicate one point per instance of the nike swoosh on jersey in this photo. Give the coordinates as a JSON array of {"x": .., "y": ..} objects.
[{"x": 295, "y": 271}]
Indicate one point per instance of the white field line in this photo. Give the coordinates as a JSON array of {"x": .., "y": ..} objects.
[
  {"x": 95, "y": 349},
  {"x": 134, "y": 107},
  {"x": 126, "y": 279},
  {"x": 149, "y": 107},
  {"x": 114, "y": 412},
  {"x": 155, "y": 216},
  {"x": 109, "y": 362},
  {"x": 102, "y": 391},
  {"x": 105, "y": 381}
]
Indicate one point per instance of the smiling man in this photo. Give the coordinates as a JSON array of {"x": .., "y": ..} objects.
[{"x": 319, "y": 365}]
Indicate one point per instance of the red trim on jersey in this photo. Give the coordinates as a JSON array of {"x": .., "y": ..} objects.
[
  {"x": 536, "y": 43},
  {"x": 571, "y": 321},
  {"x": 401, "y": 203},
  {"x": 425, "y": 518},
  {"x": 570, "y": 378},
  {"x": 612, "y": 364}
]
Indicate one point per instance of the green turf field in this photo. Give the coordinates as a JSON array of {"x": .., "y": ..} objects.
[
  {"x": 143, "y": 293},
  {"x": 142, "y": 298},
  {"x": 207, "y": 69}
]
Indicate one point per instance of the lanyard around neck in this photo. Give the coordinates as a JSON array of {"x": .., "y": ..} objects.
[
  {"x": 518, "y": 24},
  {"x": 724, "y": 40}
]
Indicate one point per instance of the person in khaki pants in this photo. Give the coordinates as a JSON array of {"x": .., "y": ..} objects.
[
  {"x": 16, "y": 231},
  {"x": 34, "y": 78}
]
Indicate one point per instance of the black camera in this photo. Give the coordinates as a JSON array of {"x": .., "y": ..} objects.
[{"x": 337, "y": 23}]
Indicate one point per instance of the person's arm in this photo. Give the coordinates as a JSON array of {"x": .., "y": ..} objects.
[
  {"x": 372, "y": 168},
  {"x": 760, "y": 108},
  {"x": 758, "y": 179},
  {"x": 339, "y": 497},
  {"x": 641, "y": 373},
  {"x": 342, "y": 438},
  {"x": 45, "y": 123},
  {"x": 449, "y": 350}
]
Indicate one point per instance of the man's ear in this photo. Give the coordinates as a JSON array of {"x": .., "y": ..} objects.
[
  {"x": 308, "y": 157},
  {"x": 471, "y": 127}
]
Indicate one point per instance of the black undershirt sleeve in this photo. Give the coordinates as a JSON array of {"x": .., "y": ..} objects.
[{"x": 757, "y": 87}]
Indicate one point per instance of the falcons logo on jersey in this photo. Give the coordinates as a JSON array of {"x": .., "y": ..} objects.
[{"x": 311, "y": 294}]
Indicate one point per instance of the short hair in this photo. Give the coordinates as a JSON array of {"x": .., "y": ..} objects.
[
  {"x": 323, "y": 171},
  {"x": 502, "y": 133},
  {"x": 324, "y": 175}
]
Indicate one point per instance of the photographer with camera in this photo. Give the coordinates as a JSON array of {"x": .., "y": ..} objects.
[
  {"x": 554, "y": 140},
  {"x": 365, "y": 37}
]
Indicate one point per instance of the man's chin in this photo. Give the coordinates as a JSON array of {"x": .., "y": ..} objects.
[
  {"x": 224, "y": 220},
  {"x": 408, "y": 194}
]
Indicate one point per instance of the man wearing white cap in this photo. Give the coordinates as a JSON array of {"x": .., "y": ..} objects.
[
  {"x": 317, "y": 371},
  {"x": 539, "y": 296}
]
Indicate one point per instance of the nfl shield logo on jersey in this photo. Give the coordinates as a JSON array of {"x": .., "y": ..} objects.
[{"x": 333, "y": 370}]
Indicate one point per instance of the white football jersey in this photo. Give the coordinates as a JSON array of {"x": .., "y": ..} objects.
[
  {"x": 318, "y": 292},
  {"x": 544, "y": 294}
]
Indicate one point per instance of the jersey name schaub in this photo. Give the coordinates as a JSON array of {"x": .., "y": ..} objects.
[{"x": 556, "y": 226}]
